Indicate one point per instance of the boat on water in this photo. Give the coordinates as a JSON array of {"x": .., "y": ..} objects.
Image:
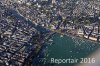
[
  {"x": 61, "y": 36},
  {"x": 50, "y": 40}
]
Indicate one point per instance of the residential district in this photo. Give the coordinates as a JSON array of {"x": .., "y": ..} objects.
[{"x": 21, "y": 22}]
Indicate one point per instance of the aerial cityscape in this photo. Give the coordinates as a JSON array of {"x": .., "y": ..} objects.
[{"x": 33, "y": 32}]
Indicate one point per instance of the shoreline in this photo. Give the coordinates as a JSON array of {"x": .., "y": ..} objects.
[
  {"x": 71, "y": 35},
  {"x": 82, "y": 38}
]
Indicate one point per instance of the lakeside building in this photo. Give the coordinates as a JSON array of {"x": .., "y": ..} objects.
[
  {"x": 80, "y": 32},
  {"x": 21, "y": 1},
  {"x": 53, "y": 1},
  {"x": 95, "y": 36},
  {"x": 44, "y": 0}
]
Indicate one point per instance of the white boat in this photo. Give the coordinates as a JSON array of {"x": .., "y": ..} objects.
[
  {"x": 50, "y": 40},
  {"x": 61, "y": 35}
]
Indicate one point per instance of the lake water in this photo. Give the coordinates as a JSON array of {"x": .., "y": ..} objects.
[{"x": 65, "y": 47}]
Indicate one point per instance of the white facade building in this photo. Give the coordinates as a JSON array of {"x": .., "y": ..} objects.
[
  {"x": 21, "y": 1},
  {"x": 53, "y": 1}
]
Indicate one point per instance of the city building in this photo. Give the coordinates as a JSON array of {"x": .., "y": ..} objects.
[{"x": 53, "y": 1}]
